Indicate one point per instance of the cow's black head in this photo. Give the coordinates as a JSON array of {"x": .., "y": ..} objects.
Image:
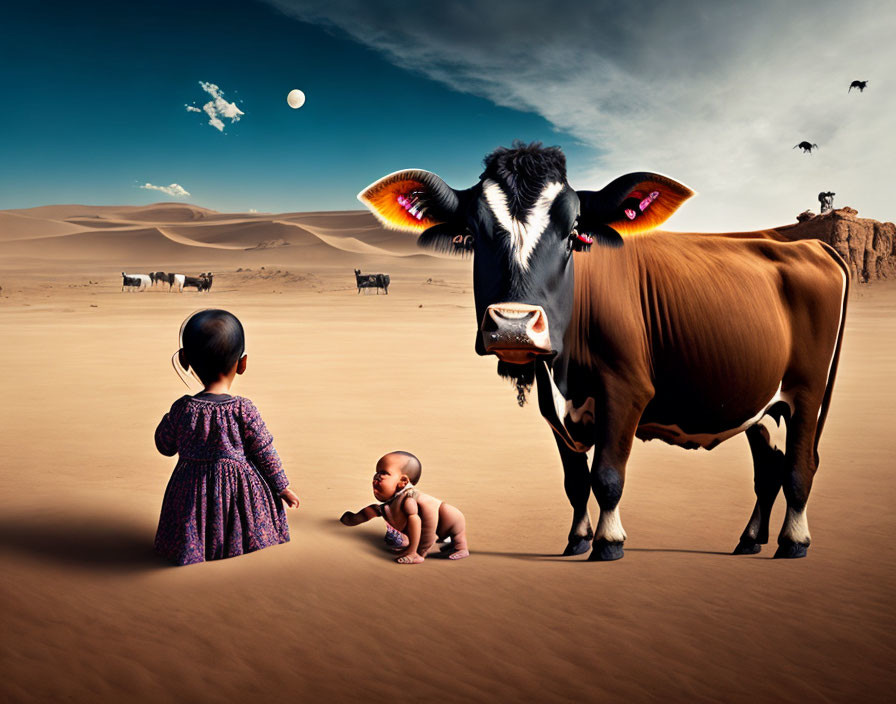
[{"x": 522, "y": 222}]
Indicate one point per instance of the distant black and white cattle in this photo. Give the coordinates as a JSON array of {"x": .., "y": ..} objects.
[
  {"x": 193, "y": 282},
  {"x": 135, "y": 282},
  {"x": 176, "y": 280},
  {"x": 201, "y": 283},
  {"x": 374, "y": 281}
]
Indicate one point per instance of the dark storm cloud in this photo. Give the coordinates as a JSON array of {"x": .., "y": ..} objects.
[{"x": 712, "y": 93}]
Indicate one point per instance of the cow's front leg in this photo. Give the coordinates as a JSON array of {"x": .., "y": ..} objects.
[
  {"x": 607, "y": 479},
  {"x": 577, "y": 483},
  {"x": 608, "y": 471}
]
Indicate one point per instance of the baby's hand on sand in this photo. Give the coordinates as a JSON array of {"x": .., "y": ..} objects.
[
  {"x": 412, "y": 558},
  {"x": 290, "y": 498}
]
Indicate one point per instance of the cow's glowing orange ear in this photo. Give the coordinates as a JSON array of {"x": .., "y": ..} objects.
[
  {"x": 633, "y": 203},
  {"x": 412, "y": 200}
]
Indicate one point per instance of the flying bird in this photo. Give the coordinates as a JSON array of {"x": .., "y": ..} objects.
[
  {"x": 807, "y": 147},
  {"x": 857, "y": 84}
]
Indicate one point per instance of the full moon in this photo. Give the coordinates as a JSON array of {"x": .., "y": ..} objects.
[{"x": 296, "y": 98}]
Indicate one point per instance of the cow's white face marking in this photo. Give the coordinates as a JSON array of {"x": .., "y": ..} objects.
[{"x": 523, "y": 235}]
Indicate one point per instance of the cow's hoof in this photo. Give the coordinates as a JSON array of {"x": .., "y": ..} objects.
[
  {"x": 747, "y": 547},
  {"x": 605, "y": 551},
  {"x": 577, "y": 546},
  {"x": 790, "y": 550}
]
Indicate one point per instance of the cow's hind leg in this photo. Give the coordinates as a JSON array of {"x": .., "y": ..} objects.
[
  {"x": 577, "y": 483},
  {"x": 800, "y": 465},
  {"x": 768, "y": 473}
]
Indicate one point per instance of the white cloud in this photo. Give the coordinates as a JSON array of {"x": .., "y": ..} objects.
[
  {"x": 172, "y": 190},
  {"x": 217, "y": 108},
  {"x": 714, "y": 94}
]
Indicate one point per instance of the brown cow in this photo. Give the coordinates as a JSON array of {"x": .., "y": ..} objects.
[{"x": 687, "y": 338}]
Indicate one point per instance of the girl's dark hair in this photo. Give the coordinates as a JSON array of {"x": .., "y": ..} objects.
[{"x": 213, "y": 341}]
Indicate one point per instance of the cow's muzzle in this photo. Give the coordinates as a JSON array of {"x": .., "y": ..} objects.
[{"x": 515, "y": 332}]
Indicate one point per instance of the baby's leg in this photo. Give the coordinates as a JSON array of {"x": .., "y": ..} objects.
[{"x": 452, "y": 524}]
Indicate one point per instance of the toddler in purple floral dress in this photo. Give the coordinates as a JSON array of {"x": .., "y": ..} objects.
[{"x": 226, "y": 494}]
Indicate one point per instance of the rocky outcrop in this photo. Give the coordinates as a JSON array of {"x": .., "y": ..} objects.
[{"x": 867, "y": 246}]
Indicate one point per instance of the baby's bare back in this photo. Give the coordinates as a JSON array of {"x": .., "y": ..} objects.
[
  {"x": 427, "y": 508},
  {"x": 439, "y": 520}
]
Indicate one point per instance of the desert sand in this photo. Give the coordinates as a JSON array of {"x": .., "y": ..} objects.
[{"x": 89, "y": 614}]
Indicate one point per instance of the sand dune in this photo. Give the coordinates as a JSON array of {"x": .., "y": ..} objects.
[
  {"x": 175, "y": 236},
  {"x": 94, "y": 223},
  {"x": 122, "y": 236},
  {"x": 73, "y": 210},
  {"x": 337, "y": 239},
  {"x": 168, "y": 212},
  {"x": 244, "y": 234},
  {"x": 128, "y": 246},
  {"x": 14, "y": 226}
]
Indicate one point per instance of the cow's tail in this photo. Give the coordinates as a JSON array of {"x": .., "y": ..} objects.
[{"x": 835, "y": 360}]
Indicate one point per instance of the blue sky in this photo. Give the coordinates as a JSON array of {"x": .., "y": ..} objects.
[
  {"x": 714, "y": 93},
  {"x": 97, "y": 94}
]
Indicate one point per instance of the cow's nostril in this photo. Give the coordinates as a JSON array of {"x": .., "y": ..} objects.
[
  {"x": 538, "y": 326},
  {"x": 509, "y": 314}
]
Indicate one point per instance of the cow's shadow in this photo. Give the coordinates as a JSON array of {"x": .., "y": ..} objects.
[
  {"x": 558, "y": 557},
  {"x": 101, "y": 543},
  {"x": 680, "y": 550},
  {"x": 374, "y": 539}
]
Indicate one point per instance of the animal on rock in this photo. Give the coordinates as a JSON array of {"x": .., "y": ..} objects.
[{"x": 627, "y": 332}]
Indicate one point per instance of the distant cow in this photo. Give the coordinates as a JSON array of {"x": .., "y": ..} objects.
[
  {"x": 807, "y": 147},
  {"x": 196, "y": 282},
  {"x": 175, "y": 280},
  {"x": 861, "y": 85},
  {"x": 157, "y": 276},
  {"x": 135, "y": 281},
  {"x": 375, "y": 281},
  {"x": 686, "y": 338},
  {"x": 207, "y": 281}
]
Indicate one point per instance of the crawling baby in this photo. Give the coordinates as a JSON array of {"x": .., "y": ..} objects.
[{"x": 415, "y": 521}]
